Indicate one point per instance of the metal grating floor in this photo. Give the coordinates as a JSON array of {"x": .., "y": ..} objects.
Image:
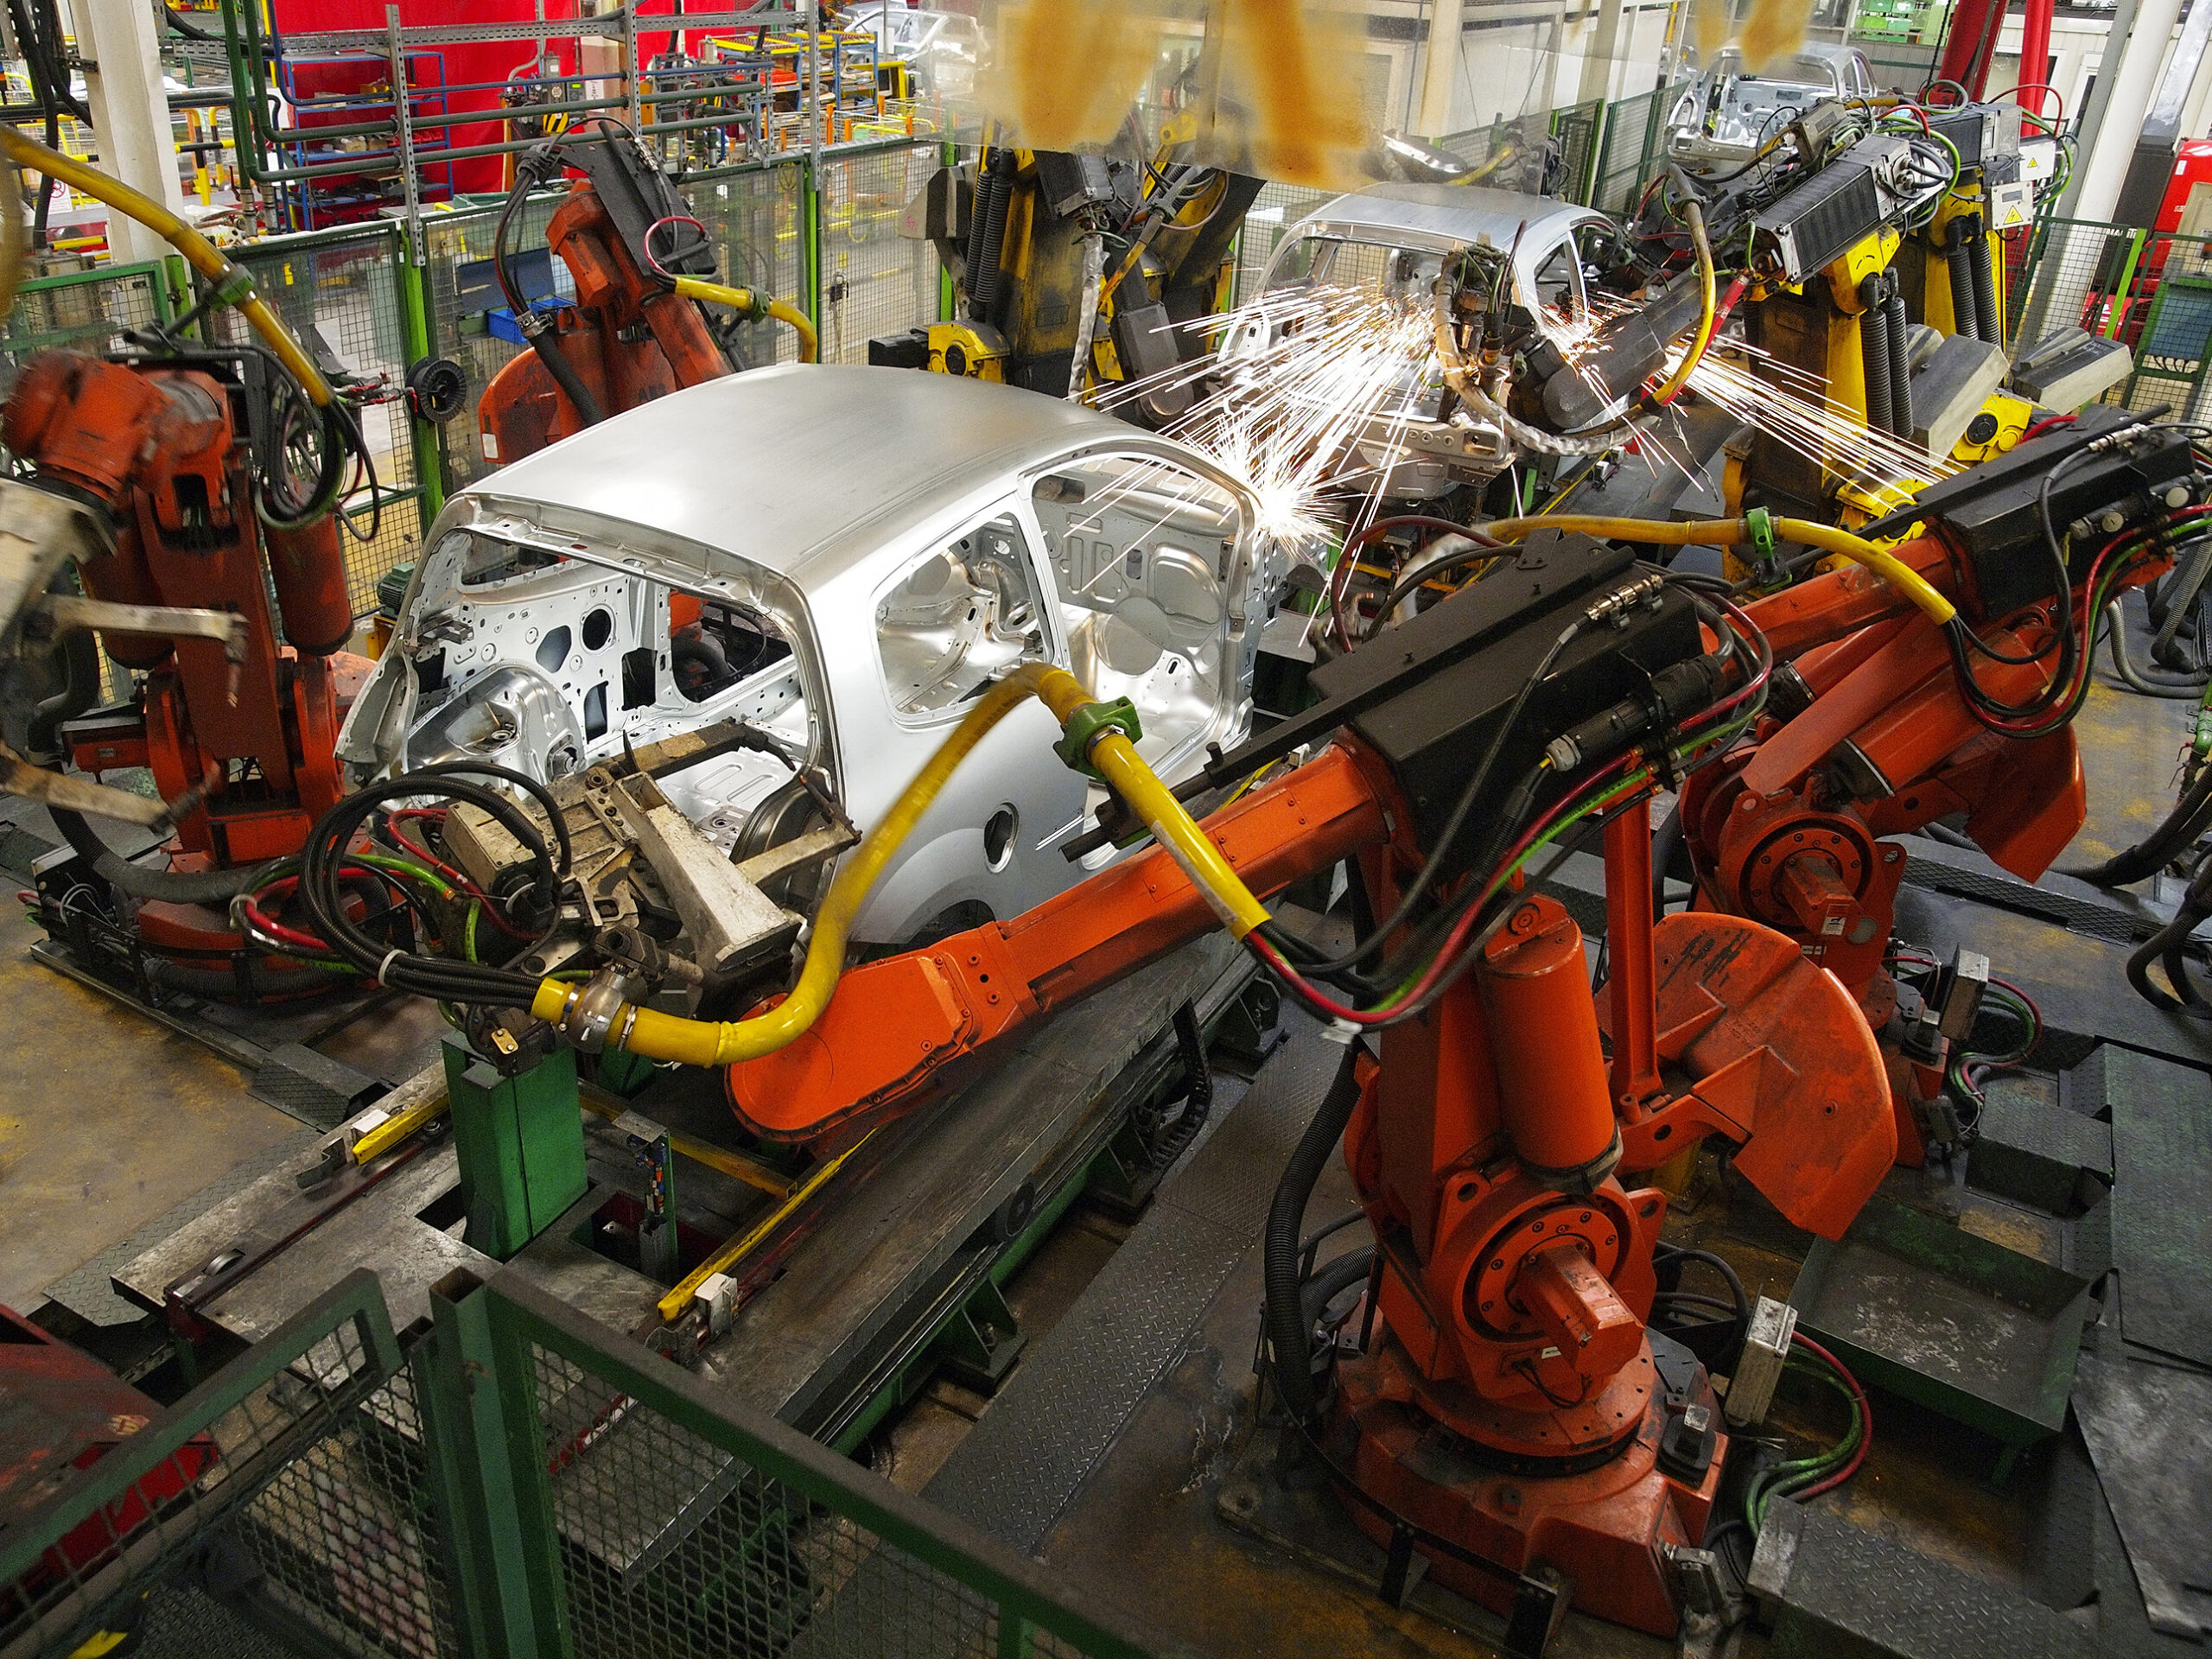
[{"x": 1062, "y": 1411}]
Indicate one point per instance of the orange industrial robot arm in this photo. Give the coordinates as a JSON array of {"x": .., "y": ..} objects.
[
  {"x": 898, "y": 1030},
  {"x": 1721, "y": 1027}
]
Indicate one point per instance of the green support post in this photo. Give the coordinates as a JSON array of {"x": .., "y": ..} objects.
[
  {"x": 173, "y": 292},
  {"x": 521, "y": 1144},
  {"x": 810, "y": 208},
  {"x": 2116, "y": 307},
  {"x": 949, "y": 156},
  {"x": 517, "y": 1417},
  {"x": 472, "y": 1479},
  {"x": 415, "y": 330},
  {"x": 1601, "y": 126}
]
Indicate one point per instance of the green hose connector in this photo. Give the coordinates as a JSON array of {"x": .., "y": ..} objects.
[{"x": 1082, "y": 729}]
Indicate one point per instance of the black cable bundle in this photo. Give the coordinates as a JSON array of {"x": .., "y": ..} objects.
[
  {"x": 447, "y": 981},
  {"x": 38, "y": 37},
  {"x": 536, "y": 167}
]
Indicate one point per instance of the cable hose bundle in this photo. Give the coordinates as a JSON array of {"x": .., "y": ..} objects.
[
  {"x": 1985, "y": 284},
  {"x": 2191, "y": 817},
  {"x": 329, "y": 845},
  {"x": 1874, "y": 352},
  {"x": 2169, "y": 946},
  {"x": 1289, "y": 1339},
  {"x": 1900, "y": 421},
  {"x": 534, "y": 168},
  {"x": 141, "y": 882},
  {"x": 2187, "y": 690},
  {"x": 983, "y": 277},
  {"x": 1958, "y": 264}
]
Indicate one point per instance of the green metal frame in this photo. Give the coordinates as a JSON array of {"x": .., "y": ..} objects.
[
  {"x": 356, "y": 1299},
  {"x": 415, "y": 330},
  {"x": 521, "y": 1144},
  {"x": 427, "y": 491},
  {"x": 522, "y": 1316},
  {"x": 157, "y": 273},
  {"x": 1579, "y": 189}
]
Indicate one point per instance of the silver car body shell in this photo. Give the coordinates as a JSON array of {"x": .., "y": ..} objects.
[
  {"x": 1715, "y": 122},
  {"x": 802, "y": 493},
  {"x": 1423, "y": 456}
]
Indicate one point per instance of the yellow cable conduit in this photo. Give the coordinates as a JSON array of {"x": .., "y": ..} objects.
[
  {"x": 744, "y": 301},
  {"x": 199, "y": 252},
  {"x": 1709, "y": 303},
  {"x": 1892, "y": 569},
  {"x": 698, "y": 1042}
]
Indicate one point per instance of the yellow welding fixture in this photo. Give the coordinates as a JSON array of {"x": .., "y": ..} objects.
[{"x": 1108, "y": 750}]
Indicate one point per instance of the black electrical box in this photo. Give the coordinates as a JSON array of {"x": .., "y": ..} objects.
[
  {"x": 908, "y": 351},
  {"x": 1990, "y": 510},
  {"x": 1821, "y": 219},
  {"x": 1463, "y": 661}
]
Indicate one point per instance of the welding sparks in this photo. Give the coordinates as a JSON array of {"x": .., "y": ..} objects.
[
  {"x": 1315, "y": 389},
  {"x": 1311, "y": 396}
]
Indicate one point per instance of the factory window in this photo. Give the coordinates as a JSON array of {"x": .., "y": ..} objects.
[{"x": 959, "y": 616}]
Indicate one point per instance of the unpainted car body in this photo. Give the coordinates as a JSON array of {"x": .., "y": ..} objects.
[
  {"x": 844, "y": 557},
  {"x": 1394, "y": 239},
  {"x": 942, "y": 48},
  {"x": 1727, "y": 112}
]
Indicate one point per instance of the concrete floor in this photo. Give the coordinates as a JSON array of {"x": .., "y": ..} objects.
[{"x": 106, "y": 1121}]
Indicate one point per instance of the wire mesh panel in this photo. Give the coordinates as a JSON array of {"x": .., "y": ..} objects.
[
  {"x": 341, "y": 297},
  {"x": 346, "y": 1539},
  {"x": 1633, "y": 128},
  {"x": 676, "y": 1522},
  {"x": 873, "y": 280},
  {"x": 462, "y": 297},
  {"x": 1898, "y": 67},
  {"x": 79, "y": 312},
  {"x": 672, "y": 1546},
  {"x": 87, "y": 1542},
  {"x": 1275, "y": 212},
  {"x": 1515, "y": 152},
  {"x": 1575, "y": 133},
  {"x": 2151, "y": 290},
  {"x": 756, "y": 221},
  {"x": 2095, "y": 278}
]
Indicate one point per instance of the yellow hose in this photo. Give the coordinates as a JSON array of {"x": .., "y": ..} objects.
[
  {"x": 199, "y": 252},
  {"x": 705, "y": 1042},
  {"x": 748, "y": 304},
  {"x": 1710, "y": 303},
  {"x": 1116, "y": 761},
  {"x": 1892, "y": 569}
]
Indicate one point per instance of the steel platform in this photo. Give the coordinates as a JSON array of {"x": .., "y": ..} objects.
[{"x": 889, "y": 1252}]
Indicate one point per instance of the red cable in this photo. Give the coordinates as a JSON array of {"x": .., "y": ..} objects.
[
  {"x": 2045, "y": 424},
  {"x": 283, "y": 887},
  {"x": 1866, "y": 1419},
  {"x": 1453, "y": 942}
]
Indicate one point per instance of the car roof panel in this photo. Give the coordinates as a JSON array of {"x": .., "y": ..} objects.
[
  {"x": 1460, "y": 214},
  {"x": 802, "y": 469}
]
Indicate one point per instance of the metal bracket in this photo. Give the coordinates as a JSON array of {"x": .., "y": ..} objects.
[
  {"x": 1082, "y": 728},
  {"x": 648, "y": 1141}
]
